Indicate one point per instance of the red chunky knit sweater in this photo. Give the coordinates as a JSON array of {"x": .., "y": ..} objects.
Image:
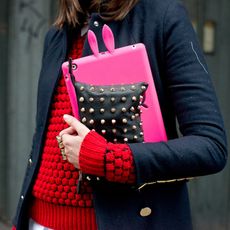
[{"x": 55, "y": 202}]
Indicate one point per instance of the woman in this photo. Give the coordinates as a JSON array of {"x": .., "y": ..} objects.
[{"x": 114, "y": 198}]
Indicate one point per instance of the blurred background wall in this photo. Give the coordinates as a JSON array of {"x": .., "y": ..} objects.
[{"x": 23, "y": 24}]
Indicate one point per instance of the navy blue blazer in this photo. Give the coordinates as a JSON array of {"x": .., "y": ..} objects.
[{"x": 185, "y": 94}]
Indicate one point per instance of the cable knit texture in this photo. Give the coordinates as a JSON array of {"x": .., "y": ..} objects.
[
  {"x": 119, "y": 164},
  {"x": 55, "y": 202}
]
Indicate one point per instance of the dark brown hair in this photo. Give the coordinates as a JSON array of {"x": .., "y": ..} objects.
[{"x": 75, "y": 12}]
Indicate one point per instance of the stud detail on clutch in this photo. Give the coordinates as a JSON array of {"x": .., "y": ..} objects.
[
  {"x": 123, "y": 99},
  {"x": 102, "y": 110},
  {"x": 134, "y": 127},
  {"x": 102, "y": 99},
  {"x": 83, "y": 119},
  {"x": 91, "y": 121},
  {"x": 112, "y": 99},
  {"x": 125, "y": 130},
  {"x": 91, "y": 110},
  {"x": 114, "y": 131},
  {"x": 133, "y": 87},
  {"x": 81, "y": 99},
  {"x": 103, "y": 131},
  {"x": 134, "y": 98},
  {"x": 113, "y": 110},
  {"x": 124, "y": 120},
  {"x": 123, "y": 109},
  {"x": 132, "y": 109}
]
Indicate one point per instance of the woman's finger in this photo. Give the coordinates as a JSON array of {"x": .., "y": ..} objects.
[
  {"x": 70, "y": 140},
  {"x": 81, "y": 129},
  {"x": 70, "y": 130}
]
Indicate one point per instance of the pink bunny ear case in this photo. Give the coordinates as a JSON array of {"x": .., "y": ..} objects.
[{"x": 123, "y": 78}]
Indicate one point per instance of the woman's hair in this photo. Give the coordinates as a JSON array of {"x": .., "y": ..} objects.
[{"x": 75, "y": 12}]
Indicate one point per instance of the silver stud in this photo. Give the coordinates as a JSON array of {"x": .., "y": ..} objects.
[
  {"x": 91, "y": 121},
  {"x": 112, "y": 90},
  {"x": 137, "y": 114},
  {"x": 133, "y": 117},
  {"x": 134, "y": 127},
  {"x": 113, "y": 110},
  {"x": 123, "y": 109},
  {"x": 124, "y": 120},
  {"x": 133, "y": 87},
  {"x": 122, "y": 88},
  {"x": 112, "y": 99},
  {"x": 141, "y": 133},
  {"x": 103, "y": 131},
  {"x": 102, "y": 110},
  {"x": 81, "y": 99},
  {"x": 114, "y": 140},
  {"x": 123, "y": 99},
  {"x": 143, "y": 87},
  {"x": 125, "y": 139},
  {"x": 83, "y": 120},
  {"x": 134, "y": 98},
  {"x": 102, "y": 121},
  {"x": 30, "y": 162},
  {"x": 141, "y": 97},
  {"x": 98, "y": 178},
  {"x": 92, "y": 88},
  {"x": 88, "y": 178},
  {"x": 91, "y": 99},
  {"x": 102, "y": 99},
  {"x": 114, "y": 131},
  {"x": 101, "y": 90},
  {"x": 82, "y": 88},
  {"x": 96, "y": 23},
  {"x": 132, "y": 109},
  {"x": 135, "y": 137},
  {"x": 138, "y": 107},
  {"x": 91, "y": 110},
  {"x": 113, "y": 121},
  {"x": 22, "y": 197},
  {"x": 82, "y": 109},
  {"x": 125, "y": 130},
  {"x": 141, "y": 123}
]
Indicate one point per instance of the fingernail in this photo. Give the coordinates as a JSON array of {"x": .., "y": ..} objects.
[{"x": 66, "y": 117}]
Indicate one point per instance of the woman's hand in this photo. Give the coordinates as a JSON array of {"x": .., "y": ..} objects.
[{"x": 72, "y": 138}]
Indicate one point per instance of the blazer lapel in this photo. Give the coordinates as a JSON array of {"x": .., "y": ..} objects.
[{"x": 50, "y": 73}]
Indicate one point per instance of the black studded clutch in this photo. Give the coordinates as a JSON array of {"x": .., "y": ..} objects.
[{"x": 112, "y": 110}]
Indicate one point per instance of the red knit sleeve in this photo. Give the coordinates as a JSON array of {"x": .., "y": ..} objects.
[
  {"x": 13, "y": 228},
  {"x": 113, "y": 161}
]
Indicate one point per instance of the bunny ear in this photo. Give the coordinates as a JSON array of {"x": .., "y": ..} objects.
[
  {"x": 108, "y": 38},
  {"x": 93, "y": 42}
]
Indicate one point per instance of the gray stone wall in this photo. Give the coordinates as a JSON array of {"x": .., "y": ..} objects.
[{"x": 28, "y": 24}]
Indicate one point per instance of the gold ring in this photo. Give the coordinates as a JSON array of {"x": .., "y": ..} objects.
[
  {"x": 61, "y": 146},
  {"x": 63, "y": 154}
]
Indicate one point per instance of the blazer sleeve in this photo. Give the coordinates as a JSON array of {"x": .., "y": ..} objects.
[{"x": 202, "y": 148}]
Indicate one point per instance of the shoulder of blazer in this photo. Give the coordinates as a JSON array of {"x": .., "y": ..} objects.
[{"x": 52, "y": 34}]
